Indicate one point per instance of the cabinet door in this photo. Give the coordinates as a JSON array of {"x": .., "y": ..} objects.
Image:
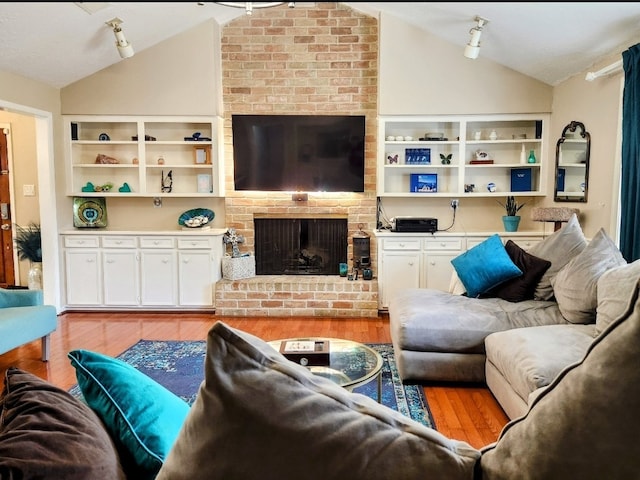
[
  {"x": 83, "y": 277},
  {"x": 195, "y": 278},
  {"x": 158, "y": 277},
  {"x": 400, "y": 270},
  {"x": 121, "y": 275},
  {"x": 438, "y": 270}
]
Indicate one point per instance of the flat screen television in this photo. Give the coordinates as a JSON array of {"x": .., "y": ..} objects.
[{"x": 299, "y": 153}]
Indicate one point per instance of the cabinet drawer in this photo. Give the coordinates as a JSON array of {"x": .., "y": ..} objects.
[
  {"x": 193, "y": 243},
  {"x": 119, "y": 242},
  {"x": 82, "y": 242},
  {"x": 443, "y": 244},
  {"x": 156, "y": 242},
  {"x": 401, "y": 244},
  {"x": 524, "y": 242}
]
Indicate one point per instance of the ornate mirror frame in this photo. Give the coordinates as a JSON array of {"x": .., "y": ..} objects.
[{"x": 573, "y": 150}]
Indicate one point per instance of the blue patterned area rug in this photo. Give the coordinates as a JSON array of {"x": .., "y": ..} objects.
[{"x": 178, "y": 365}]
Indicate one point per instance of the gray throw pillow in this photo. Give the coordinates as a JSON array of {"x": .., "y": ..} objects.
[
  {"x": 575, "y": 285},
  {"x": 559, "y": 248},
  {"x": 585, "y": 423},
  {"x": 614, "y": 288},
  {"x": 259, "y": 416}
]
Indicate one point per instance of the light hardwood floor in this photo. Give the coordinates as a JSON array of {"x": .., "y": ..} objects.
[{"x": 463, "y": 412}]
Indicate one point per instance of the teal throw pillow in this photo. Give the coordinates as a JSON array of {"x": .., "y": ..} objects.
[
  {"x": 142, "y": 417},
  {"x": 485, "y": 266}
]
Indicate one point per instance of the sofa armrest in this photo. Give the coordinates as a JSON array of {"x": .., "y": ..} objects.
[{"x": 20, "y": 298}]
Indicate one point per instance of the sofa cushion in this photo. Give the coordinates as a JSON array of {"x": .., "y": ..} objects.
[
  {"x": 484, "y": 266},
  {"x": 574, "y": 286},
  {"x": 530, "y": 358},
  {"x": 614, "y": 287},
  {"x": 559, "y": 248},
  {"x": 45, "y": 433},
  {"x": 523, "y": 287},
  {"x": 259, "y": 416},
  {"x": 429, "y": 320},
  {"x": 142, "y": 416},
  {"x": 585, "y": 423}
]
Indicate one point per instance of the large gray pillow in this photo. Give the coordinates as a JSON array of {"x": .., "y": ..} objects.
[
  {"x": 259, "y": 416},
  {"x": 575, "y": 285},
  {"x": 614, "y": 288},
  {"x": 585, "y": 423},
  {"x": 559, "y": 248}
]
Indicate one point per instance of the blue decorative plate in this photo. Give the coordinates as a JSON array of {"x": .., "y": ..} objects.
[{"x": 196, "y": 218}]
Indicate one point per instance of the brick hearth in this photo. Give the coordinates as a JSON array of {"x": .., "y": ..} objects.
[{"x": 297, "y": 295}]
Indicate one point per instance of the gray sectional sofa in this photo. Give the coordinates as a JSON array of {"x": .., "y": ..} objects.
[{"x": 517, "y": 348}]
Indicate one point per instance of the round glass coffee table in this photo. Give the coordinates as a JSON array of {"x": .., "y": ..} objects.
[{"x": 351, "y": 364}]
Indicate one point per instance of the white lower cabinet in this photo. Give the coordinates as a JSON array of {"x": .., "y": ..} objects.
[
  {"x": 83, "y": 277},
  {"x": 423, "y": 260},
  {"x": 399, "y": 266},
  {"x": 120, "y": 276},
  {"x": 158, "y": 280},
  {"x": 134, "y": 271},
  {"x": 401, "y": 271}
]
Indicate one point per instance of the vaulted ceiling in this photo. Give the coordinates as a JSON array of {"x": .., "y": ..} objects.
[{"x": 58, "y": 43}]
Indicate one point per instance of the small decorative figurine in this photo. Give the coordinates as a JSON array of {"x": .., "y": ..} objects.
[
  {"x": 392, "y": 159},
  {"x": 446, "y": 159},
  {"x": 231, "y": 237}
]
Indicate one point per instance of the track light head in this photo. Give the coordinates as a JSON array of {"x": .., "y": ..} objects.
[
  {"x": 472, "y": 49},
  {"x": 124, "y": 47}
]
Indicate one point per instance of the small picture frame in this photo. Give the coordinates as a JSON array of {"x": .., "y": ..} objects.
[
  {"x": 202, "y": 154},
  {"x": 205, "y": 184},
  {"x": 424, "y": 183},
  {"x": 417, "y": 156}
]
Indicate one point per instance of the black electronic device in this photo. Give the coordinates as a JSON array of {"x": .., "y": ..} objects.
[{"x": 415, "y": 224}]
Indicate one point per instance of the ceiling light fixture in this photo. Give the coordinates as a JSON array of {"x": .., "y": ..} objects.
[
  {"x": 124, "y": 47},
  {"x": 472, "y": 50},
  {"x": 249, "y": 6}
]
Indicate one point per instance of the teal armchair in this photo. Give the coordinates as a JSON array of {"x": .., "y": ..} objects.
[{"x": 24, "y": 318}]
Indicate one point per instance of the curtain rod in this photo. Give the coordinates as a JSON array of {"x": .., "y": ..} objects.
[{"x": 613, "y": 68}]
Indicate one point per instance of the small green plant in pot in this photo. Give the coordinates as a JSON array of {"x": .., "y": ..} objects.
[
  {"x": 28, "y": 242},
  {"x": 511, "y": 220}
]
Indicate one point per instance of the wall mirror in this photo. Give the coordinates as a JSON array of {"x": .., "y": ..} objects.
[{"x": 572, "y": 164}]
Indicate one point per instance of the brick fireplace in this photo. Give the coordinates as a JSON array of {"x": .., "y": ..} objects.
[{"x": 316, "y": 58}]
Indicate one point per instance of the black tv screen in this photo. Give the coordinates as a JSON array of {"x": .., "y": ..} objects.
[{"x": 299, "y": 153}]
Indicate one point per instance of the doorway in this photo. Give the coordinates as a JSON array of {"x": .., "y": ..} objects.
[{"x": 7, "y": 268}]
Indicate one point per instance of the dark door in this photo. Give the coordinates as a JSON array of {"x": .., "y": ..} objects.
[{"x": 7, "y": 276}]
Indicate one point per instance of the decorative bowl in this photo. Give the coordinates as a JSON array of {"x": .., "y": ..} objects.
[{"x": 196, "y": 217}]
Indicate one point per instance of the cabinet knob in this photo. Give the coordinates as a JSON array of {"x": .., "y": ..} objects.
[
  {"x": 411, "y": 264},
  {"x": 402, "y": 245},
  {"x": 165, "y": 260},
  {"x": 89, "y": 260},
  {"x": 443, "y": 244},
  {"x": 432, "y": 262},
  {"x": 185, "y": 260},
  {"x": 110, "y": 261},
  {"x": 156, "y": 242},
  {"x": 118, "y": 242}
]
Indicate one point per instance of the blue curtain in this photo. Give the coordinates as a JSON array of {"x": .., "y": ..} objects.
[{"x": 630, "y": 177}]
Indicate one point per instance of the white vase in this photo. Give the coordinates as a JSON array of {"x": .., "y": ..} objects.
[{"x": 34, "y": 281}]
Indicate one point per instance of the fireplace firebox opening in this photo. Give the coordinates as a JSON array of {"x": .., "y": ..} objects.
[{"x": 300, "y": 246}]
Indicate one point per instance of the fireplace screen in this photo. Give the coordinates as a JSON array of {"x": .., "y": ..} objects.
[{"x": 300, "y": 246}]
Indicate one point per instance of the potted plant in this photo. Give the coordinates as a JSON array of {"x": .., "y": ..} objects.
[
  {"x": 511, "y": 220},
  {"x": 29, "y": 247}
]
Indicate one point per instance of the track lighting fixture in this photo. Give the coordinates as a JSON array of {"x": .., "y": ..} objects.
[
  {"x": 124, "y": 47},
  {"x": 472, "y": 50},
  {"x": 249, "y": 6}
]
